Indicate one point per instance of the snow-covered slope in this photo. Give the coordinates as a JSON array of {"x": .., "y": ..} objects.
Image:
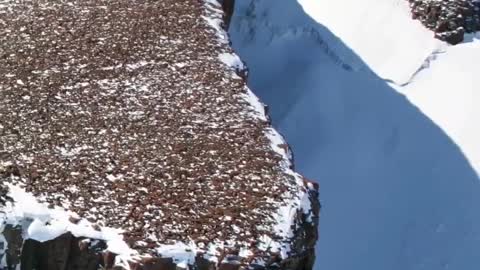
[
  {"x": 398, "y": 48},
  {"x": 396, "y": 179},
  {"x": 381, "y": 32},
  {"x": 447, "y": 91}
]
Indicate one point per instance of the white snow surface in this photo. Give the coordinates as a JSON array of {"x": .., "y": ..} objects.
[
  {"x": 383, "y": 116},
  {"x": 381, "y": 32},
  {"x": 448, "y": 92},
  {"x": 398, "y": 48}
]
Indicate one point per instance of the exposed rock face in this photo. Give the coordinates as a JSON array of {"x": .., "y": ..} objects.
[
  {"x": 124, "y": 114},
  {"x": 450, "y": 19},
  {"x": 228, "y": 8}
]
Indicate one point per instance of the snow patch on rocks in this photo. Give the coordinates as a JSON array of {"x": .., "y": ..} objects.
[{"x": 41, "y": 223}]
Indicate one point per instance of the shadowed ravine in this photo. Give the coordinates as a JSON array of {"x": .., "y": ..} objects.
[{"x": 397, "y": 193}]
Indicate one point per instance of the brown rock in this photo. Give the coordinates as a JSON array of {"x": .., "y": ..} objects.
[{"x": 228, "y": 266}]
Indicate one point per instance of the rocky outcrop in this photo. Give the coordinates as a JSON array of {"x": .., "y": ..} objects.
[
  {"x": 449, "y": 19},
  {"x": 228, "y": 7}
]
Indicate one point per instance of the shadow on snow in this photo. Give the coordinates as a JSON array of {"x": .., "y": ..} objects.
[{"x": 397, "y": 193}]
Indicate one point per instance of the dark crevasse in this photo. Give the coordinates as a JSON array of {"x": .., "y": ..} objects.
[{"x": 397, "y": 193}]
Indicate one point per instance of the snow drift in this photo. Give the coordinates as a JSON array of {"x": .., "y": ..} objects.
[{"x": 397, "y": 190}]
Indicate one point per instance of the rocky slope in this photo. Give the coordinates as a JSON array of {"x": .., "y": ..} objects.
[
  {"x": 449, "y": 19},
  {"x": 131, "y": 116}
]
